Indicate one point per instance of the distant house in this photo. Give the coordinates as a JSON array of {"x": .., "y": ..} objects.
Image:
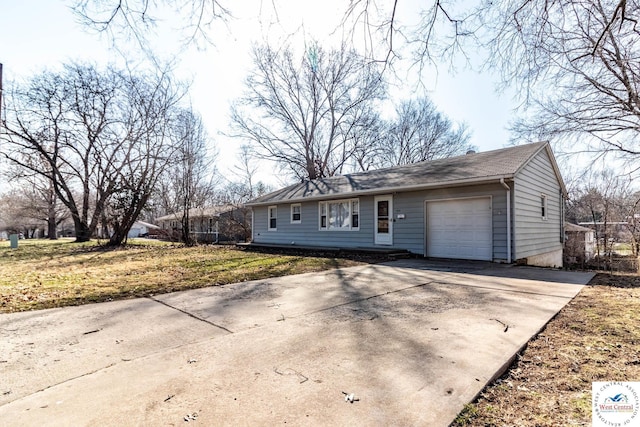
[
  {"x": 142, "y": 229},
  {"x": 504, "y": 206},
  {"x": 210, "y": 225},
  {"x": 580, "y": 244},
  {"x": 612, "y": 231}
]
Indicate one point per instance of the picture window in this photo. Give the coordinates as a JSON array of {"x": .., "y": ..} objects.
[{"x": 340, "y": 215}]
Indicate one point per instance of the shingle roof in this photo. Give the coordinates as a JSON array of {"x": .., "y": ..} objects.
[
  {"x": 146, "y": 224},
  {"x": 575, "y": 227},
  {"x": 197, "y": 213},
  {"x": 469, "y": 168}
]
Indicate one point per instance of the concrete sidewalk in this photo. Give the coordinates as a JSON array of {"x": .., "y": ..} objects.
[{"x": 414, "y": 340}]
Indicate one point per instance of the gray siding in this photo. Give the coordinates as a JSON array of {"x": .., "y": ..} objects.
[
  {"x": 307, "y": 232},
  {"x": 408, "y": 233},
  {"x": 534, "y": 235}
]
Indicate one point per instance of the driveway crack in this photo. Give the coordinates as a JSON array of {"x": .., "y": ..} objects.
[{"x": 190, "y": 315}]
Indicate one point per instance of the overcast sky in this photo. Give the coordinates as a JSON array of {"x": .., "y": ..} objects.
[{"x": 36, "y": 34}]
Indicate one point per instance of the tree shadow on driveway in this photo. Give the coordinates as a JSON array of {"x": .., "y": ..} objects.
[{"x": 413, "y": 344}]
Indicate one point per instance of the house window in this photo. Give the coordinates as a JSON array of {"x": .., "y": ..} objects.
[
  {"x": 273, "y": 214},
  {"x": 296, "y": 214},
  {"x": 355, "y": 213},
  {"x": 211, "y": 225},
  {"x": 340, "y": 215},
  {"x": 543, "y": 206},
  {"x": 323, "y": 215}
]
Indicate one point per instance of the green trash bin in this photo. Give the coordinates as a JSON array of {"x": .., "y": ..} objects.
[{"x": 13, "y": 239}]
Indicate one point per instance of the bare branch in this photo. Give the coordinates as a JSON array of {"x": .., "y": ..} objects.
[{"x": 307, "y": 107}]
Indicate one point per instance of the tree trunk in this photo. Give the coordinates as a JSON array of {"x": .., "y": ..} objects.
[
  {"x": 118, "y": 236},
  {"x": 83, "y": 232},
  {"x": 187, "y": 238},
  {"x": 52, "y": 232},
  {"x": 104, "y": 227}
]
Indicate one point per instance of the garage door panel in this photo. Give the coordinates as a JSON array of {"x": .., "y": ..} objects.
[{"x": 460, "y": 229}]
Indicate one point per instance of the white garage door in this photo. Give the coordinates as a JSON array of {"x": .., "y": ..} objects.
[{"x": 460, "y": 229}]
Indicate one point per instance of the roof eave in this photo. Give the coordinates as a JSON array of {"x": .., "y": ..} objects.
[{"x": 416, "y": 187}]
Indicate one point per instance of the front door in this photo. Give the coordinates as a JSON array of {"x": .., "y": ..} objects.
[{"x": 383, "y": 220}]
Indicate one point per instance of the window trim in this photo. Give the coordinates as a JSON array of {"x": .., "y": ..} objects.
[
  {"x": 299, "y": 206},
  {"x": 273, "y": 208},
  {"x": 544, "y": 210},
  {"x": 327, "y": 217}
]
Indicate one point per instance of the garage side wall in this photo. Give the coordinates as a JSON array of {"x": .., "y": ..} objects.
[{"x": 535, "y": 235}]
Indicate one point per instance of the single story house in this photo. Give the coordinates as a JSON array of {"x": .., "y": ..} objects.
[
  {"x": 580, "y": 244},
  {"x": 505, "y": 205},
  {"x": 210, "y": 224}
]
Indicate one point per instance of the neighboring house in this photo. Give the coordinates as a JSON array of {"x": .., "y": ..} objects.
[
  {"x": 141, "y": 229},
  {"x": 504, "y": 205},
  {"x": 612, "y": 231},
  {"x": 210, "y": 225},
  {"x": 579, "y": 245}
]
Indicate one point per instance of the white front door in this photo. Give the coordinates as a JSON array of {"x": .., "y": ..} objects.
[{"x": 383, "y": 220}]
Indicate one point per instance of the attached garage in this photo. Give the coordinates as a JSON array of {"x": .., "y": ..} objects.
[
  {"x": 460, "y": 228},
  {"x": 503, "y": 205}
]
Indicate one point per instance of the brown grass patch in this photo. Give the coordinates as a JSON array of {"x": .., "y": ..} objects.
[{"x": 43, "y": 274}]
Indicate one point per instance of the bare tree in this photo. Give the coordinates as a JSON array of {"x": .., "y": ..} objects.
[
  {"x": 434, "y": 31},
  {"x": 599, "y": 201},
  {"x": 420, "y": 132},
  {"x": 144, "y": 159},
  {"x": 136, "y": 18},
  {"x": 244, "y": 187},
  {"x": 630, "y": 208},
  {"x": 574, "y": 63},
  {"x": 587, "y": 51},
  {"x": 190, "y": 181},
  {"x": 301, "y": 111},
  {"x": 23, "y": 210},
  {"x": 513, "y": 30},
  {"x": 238, "y": 191},
  {"x": 102, "y": 135},
  {"x": 369, "y": 140},
  {"x": 38, "y": 202}
]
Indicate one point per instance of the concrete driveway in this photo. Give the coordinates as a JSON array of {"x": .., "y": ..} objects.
[{"x": 414, "y": 340}]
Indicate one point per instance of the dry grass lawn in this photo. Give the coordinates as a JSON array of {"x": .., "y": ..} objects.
[
  {"x": 44, "y": 274},
  {"x": 596, "y": 337}
]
